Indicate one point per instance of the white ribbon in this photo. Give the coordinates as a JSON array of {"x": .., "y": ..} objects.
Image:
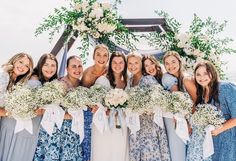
[
  {"x": 53, "y": 114},
  {"x": 100, "y": 119},
  {"x": 208, "y": 147},
  {"x": 22, "y": 124},
  {"x": 158, "y": 117},
  {"x": 132, "y": 121},
  {"x": 77, "y": 125},
  {"x": 181, "y": 127}
]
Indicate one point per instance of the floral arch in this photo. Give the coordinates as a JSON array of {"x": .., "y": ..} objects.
[{"x": 100, "y": 22}]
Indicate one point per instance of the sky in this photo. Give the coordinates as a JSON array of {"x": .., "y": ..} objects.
[{"x": 19, "y": 19}]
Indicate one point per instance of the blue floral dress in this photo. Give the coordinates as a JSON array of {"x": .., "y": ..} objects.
[
  {"x": 63, "y": 145},
  {"x": 225, "y": 142},
  {"x": 151, "y": 142},
  {"x": 195, "y": 148},
  {"x": 176, "y": 145}
]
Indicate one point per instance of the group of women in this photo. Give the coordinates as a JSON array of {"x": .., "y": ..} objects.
[{"x": 151, "y": 142}]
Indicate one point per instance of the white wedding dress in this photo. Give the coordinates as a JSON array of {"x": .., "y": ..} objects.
[{"x": 112, "y": 144}]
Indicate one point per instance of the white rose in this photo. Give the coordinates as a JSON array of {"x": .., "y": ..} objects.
[
  {"x": 96, "y": 13},
  {"x": 106, "y": 6}
]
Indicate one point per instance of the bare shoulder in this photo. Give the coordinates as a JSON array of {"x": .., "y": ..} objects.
[{"x": 86, "y": 78}]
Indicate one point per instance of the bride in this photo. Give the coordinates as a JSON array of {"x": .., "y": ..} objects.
[{"x": 112, "y": 144}]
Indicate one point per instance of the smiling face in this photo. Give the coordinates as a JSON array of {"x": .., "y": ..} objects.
[
  {"x": 49, "y": 68},
  {"x": 75, "y": 68},
  {"x": 134, "y": 65},
  {"x": 202, "y": 76},
  {"x": 101, "y": 57},
  {"x": 117, "y": 65},
  {"x": 150, "y": 67},
  {"x": 21, "y": 66},
  {"x": 172, "y": 65}
]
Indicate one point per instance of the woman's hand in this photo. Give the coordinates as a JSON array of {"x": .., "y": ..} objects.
[
  {"x": 94, "y": 108},
  {"x": 67, "y": 116},
  {"x": 216, "y": 131},
  {"x": 4, "y": 113},
  {"x": 39, "y": 111}
]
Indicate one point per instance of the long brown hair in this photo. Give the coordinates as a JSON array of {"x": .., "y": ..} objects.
[
  {"x": 213, "y": 85},
  {"x": 110, "y": 74},
  {"x": 41, "y": 62},
  {"x": 180, "y": 74},
  {"x": 159, "y": 72},
  {"x": 21, "y": 78}
]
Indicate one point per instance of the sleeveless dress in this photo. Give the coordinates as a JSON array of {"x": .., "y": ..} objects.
[
  {"x": 63, "y": 145},
  {"x": 20, "y": 146},
  {"x": 112, "y": 144},
  {"x": 176, "y": 145},
  {"x": 151, "y": 142}
]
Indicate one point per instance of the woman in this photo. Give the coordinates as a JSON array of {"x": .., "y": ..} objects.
[
  {"x": 112, "y": 145},
  {"x": 64, "y": 144},
  {"x": 152, "y": 67},
  {"x": 148, "y": 145},
  {"x": 100, "y": 57},
  {"x": 19, "y": 146},
  {"x": 90, "y": 75},
  {"x": 174, "y": 80},
  {"x": 223, "y": 96}
]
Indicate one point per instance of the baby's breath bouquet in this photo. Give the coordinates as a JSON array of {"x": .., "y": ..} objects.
[
  {"x": 21, "y": 102},
  {"x": 76, "y": 99},
  {"x": 179, "y": 102},
  {"x": 207, "y": 114},
  {"x": 140, "y": 100},
  {"x": 50, "y": 92},
  {"x": 116, "y": 98},
  {"x": 160, "y": 96},
  {"x": 97, "y": 93}
]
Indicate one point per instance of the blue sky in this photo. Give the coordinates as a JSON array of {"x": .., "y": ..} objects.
[{"x": 20, "y": 18}]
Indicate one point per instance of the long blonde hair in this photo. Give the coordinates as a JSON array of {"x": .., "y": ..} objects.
[
  {"x": 99, "y": 47},
  {"x": 23, "y": 78}
]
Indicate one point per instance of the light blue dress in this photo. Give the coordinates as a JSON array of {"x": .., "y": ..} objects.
[
  {"x": 151, "y": 142},
  {"x": 20, "y": 146},
  {"x": 225, "y": 142},
  {"x": 176, "y": 145}
]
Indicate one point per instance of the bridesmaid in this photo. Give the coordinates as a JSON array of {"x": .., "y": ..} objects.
[
  {"x": 90, "y": 75},
  {"x": 64, "y": 144},
  {"x": 152, "y": 67},
  {"x": 223, "y": 96},
  {"x": 100, "y": 57},
  {"x": 112, "y": 145},
  {"x": 148, "y": 145},
  {"x": 19, "y": 146},
  {"x": 176, "y": 80}
]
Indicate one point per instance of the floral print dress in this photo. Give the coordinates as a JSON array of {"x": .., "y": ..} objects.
[{"x": 150, "y": 143}]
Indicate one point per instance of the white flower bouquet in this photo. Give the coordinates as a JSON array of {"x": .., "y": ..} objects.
[
  {"x": 140, "y": 100},
  {"x": 96, "y": 94},
  {"x": 116, "y": 98},
  {"x": 179, "y": 102},
  {"x": 159, "y": 96},
  {"x": 76, "y": 99},
  {"x": 50, "y": 92},
  {"x": 207, "y": 114},
  {"x": 21, "y": 102}
]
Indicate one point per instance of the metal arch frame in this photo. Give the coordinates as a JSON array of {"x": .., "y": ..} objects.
[{"x": 134, "y": 25}]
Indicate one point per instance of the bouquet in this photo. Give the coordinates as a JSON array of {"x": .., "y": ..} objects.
[
  {"x": 140, "y": 100},
  {"x": 116, "y": 98},
  {"x": 179, "y": 102},
  {"x": 159, "y": 97},
  {"x": 207, "y": 114},
  {"x": 50, "y": 92},
  {"x": 96, "y": 94},
  {"x": 76, "y": 99},
  {"x": 21, "y": 102}
]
